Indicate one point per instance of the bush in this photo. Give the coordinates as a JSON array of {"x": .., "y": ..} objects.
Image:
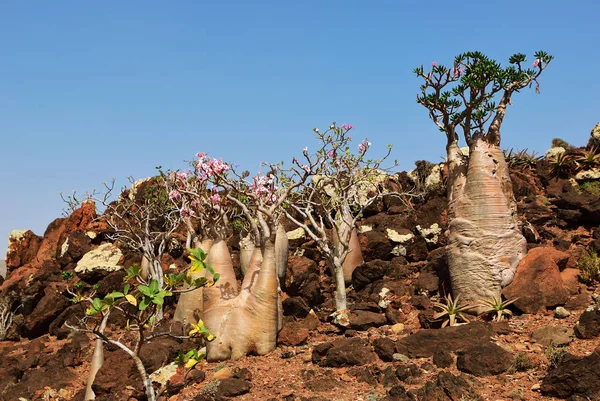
[
  {"x": 560, "y": 143},
  {"x": 589, "y": 267}
]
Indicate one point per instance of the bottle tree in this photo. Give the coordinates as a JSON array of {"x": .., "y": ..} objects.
[{"x": 470, "y": 99}]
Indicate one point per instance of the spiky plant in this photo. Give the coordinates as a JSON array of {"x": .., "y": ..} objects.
[
  {"x": 498, "y": 308},
  {"x": 590, "y": 158},
  {"x": 561, "y": 164},
  {"x": 452, "y": 310}
]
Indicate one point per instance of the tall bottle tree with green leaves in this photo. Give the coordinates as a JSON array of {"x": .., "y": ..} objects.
[{"x": 470, "y": 99}]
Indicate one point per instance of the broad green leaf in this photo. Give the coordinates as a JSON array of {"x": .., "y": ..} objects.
[{"x": 144, "y": 303}]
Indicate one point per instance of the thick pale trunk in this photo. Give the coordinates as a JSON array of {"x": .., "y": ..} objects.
[
  {"x": 97, "y": 362},
  {"x": 246, "y": 250},
  {"x": 191, "y": 304},
  {"x": 340, "y": 288},
  {"x": 485, "y": 243},
  {"x": 247, "y": 323},
  {"x": 281, "y": 251},
  {"x": 354, "y": 257}
]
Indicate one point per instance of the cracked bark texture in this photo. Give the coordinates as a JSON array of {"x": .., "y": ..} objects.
[{"x": 485, "y": 243}]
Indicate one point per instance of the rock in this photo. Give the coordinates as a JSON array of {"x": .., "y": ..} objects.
[
  {"x": 343, "y": 352},
  {"x": 397, "y": 328},
  {"x": 537, "y": 282},
  {"x": 398, "y": 393},
  {"x": 384, "y": 348},
  {"x": 363, "y": 320},
  {"x": 553, "y": 335},
  {"x": 223, "y": 374},
  {"x": 448, "y": 387},
  {"x": 424, "y": 343},
  {"x": 484, "y": 360},
  {"x": 579, "y": 302},
  {"x": 52, "y": 304},
  {"x": 400, "y": 357},
  {"x": 443, "y": 359},
  {"x": 99, "y": 262},
  {"x": 375, "y": 245},
  {"x": 293, "y": 334},
  {"x": 23, "y": 246},
  {"x": 164, "y": 374},
  {"x": 588, "y": 325},
  {"x": 588, "y": 175},
  {"x": 302, "y": 279},
  {"x": 295, "y": 306},
  {"x": 575, "y": 376},
  {"x": 594, "y": 141},
  {"x": 388, "y": 377},
  {"x": 233, "y": 387},
  {"x": 74, "y": 247},
  {"x": 561, "y": 313},
  {"x": 369, "y": 272}
]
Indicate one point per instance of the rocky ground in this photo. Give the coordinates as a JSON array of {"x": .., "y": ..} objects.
[{"x": 393, "y": 349}]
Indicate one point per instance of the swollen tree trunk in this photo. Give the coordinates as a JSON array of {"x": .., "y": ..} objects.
[
  {"x": 485, "y": 243},
  {"x": 247, "y": 322},
  {"x": 246, "y": 250},
  {"x": 281, "y": 251},
  {"x": 190, "y": 305},
  {"x": 97, "y": 362},
  {"x": 354, "y": 257}
]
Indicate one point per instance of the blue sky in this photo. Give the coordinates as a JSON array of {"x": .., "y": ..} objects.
[{"x": 95, "y": 90}]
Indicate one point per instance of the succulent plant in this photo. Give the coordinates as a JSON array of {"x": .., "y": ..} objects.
[
  {"x": 452, "y": 310},
  {"x": 498, "y": 308}
]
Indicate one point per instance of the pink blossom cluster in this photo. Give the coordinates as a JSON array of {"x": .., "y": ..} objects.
[
  {"x": 347, "y": 127},
  {"x": 215, "y": 197},
  {"x": 458, "y": 72},
  {"x": 265, "y": 187},
  {"x": 364, "y": 145},
  {"x": 208, "y": 167},
  {"x": 174, "y": 194},
  {"x": 536, "y": 63},
  {"x": 187, "y": 212}
]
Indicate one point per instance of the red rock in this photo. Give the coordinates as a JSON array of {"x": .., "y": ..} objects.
[
  {"x": 538, "y": 283},
  {"x": 570, "y": 278},
  {"x": 292, "y": 334},
  {"x": 22, "y": 249}
]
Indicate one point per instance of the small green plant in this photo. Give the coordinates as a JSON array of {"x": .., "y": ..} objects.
[
  {"x": 452, "y": 310},
  {"x": 521, "y": 158},
  {"x": 79, "y": 285},
  {"x": 497, "y": 308},
  {"x": 591, "y": 187},
  {"x": 555, "y": 354},
  {"x": 521, "y": 363},
  {"x": 140, "y": 301},
  {"x": 67, "y": 275},
  {"x": 589, "y": 267}
]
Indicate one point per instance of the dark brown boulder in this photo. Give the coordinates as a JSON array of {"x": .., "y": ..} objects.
[
  {"x": 485, "y": 359},
  {"x": 588, "y": 325},
  {"x": 424, "y": 343},
  {"x": 293, "y": 334},
  {"x": 375, "y": 245},
  {"x": 575, "y": 376},
  {"x": 302, "y": 279},
  {"x": 22, "y": 249},
  {"x": 448, "y": 387},
  {"x": 343, "y": 352}
]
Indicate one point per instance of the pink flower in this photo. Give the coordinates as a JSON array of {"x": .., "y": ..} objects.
[
  {"x": 216, "y": 198},
  {"x": 306, "y": 168},
  {"x": 305, "y": 150},
  {"x": 364, "y": 145},
  {"x": 187, "y": 213},
  {"x": 536, "y": 63},
  {"x": 200, "y": 155},
  {"x": 434, "y": 64},
  {"x": 347, "y": 127},
  {"x": 331, "y": 153},
  {"x": 174, "y": 194}
]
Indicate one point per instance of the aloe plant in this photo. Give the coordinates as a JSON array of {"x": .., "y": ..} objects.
[
  {"x": 498, "y": 308},
  {"x": 452, "y": 310}
]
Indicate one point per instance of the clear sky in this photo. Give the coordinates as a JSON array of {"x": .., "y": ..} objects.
[{"x": 95, "y": 90}]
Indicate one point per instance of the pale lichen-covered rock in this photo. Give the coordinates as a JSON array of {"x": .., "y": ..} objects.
[
  {"x": 588, "y": 175},
  {"x": 104, "y": 259},
  {"x": 431, "y": 234},
  {"x": 364, "y": 228},
  {"x": 594, "y": 140},
  {"x": 402, "y": 237},
  {"x": 433, "y": 179},
  {"x": 555, "y": 151},
  {"x": 164, "y": 374},
  {"x": 363, "y": 191}
]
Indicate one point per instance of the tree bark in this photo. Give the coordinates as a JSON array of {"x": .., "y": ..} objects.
[{"x": 485, "y": 243}]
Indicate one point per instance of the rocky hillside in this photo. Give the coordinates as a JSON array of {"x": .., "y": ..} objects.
[{"x": 393, "y": 349}]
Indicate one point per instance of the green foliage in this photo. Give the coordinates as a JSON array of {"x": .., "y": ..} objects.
[
  {"x": 521, "y": 362},
  {"x": 497, "y": 308},
  {"x": 189, "y": 359},
  {"x": 589, "y": 267},
  {"x": 591, "y": 187},
  {"x": 452, "y": 310},
  {"x": 465, "y": 94},
  {"x": 132, "y": 271},
  {"x": 555, "y": 354},
  {"x": 79, "y": 285},
  {"x": 67, "y": 275}
]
